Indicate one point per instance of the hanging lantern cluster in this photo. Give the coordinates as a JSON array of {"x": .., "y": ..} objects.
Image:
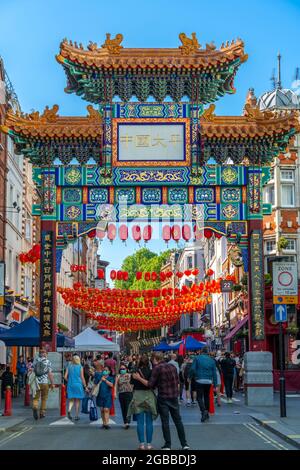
[
  {"x": 138, "y": 233},
  {"x": 119, "y": 275},
  {"x": 78, "y": 267},
  {"x": 133, "y": 310},
  {"x": 32, "y": 255},
  {"x": 164, "y": 275}
]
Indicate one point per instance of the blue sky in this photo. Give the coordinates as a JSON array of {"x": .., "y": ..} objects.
[{"x": 31, "y": 31}]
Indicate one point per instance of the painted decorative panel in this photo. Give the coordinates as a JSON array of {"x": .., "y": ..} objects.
[
  {"x": 149, "y": 110},
  {"x": 125, "y": 195},
  {"x": 99, "y": 195},
  {"x": 72, "y": 195},
  {"x": 178, "y": 195},
  {"x": 204, "y": 195},
  {"x": 146, "y": 176},
  {"x": 72, "y": 212},
  {"x": 231, "y": 195},
  {"x": 151, "y": 195}
]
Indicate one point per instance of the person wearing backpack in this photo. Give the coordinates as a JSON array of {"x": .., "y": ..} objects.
[{"x": 42, "y": 369}]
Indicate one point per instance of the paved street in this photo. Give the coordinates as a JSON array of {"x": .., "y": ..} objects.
[{"x": 231, "y": 428}]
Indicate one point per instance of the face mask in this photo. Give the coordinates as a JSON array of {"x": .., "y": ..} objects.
[
  {"x": 122, "y": 371},
  {"x": 105, "y": 372}
]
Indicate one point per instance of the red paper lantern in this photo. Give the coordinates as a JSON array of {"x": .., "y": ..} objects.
[
  {"x": 188, "y": 272},
  {"x": 147, "y": 276},
  {"x": 111, "y": 232},
  {"x": 125, "y": 276},
  {"x": 179, "y": 274},
  {"x": 195, "y": 272},
  {"x": 162, "y": 276},
  {"x": 209, "y": 272},
  {"x": 139, "y": 275},
  {"x": 147, "y": 233},
  {"x": 208, "y": 233},
  {"x": 175, "y": 232},
  {"x": 92, "y": 234},
  {"x": 169, "y": 274},
  {"x": 166, "y": 233},
  {"x": 136, "y": 233},
  {"x": 119, "y": 275},
  {"x": 153, "y": 276},
  {"x": 113, "y": 274},
  {"x": 186, "y": 232},
  {"x": 100, "y": 273},
  {"x": 123, "y": 232}
]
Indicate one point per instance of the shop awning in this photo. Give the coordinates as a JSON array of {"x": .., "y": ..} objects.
[{"x": 237, "y": 327}]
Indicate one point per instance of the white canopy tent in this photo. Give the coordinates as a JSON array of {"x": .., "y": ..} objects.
[{"x": 90, "y": 340}]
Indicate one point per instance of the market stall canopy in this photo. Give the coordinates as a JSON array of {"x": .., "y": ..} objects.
[
  {"x": 192, "y": 344},
  {"x": 164, "y": 346},
  {"x": 90, "y": 340},
  {"x": 27, "y": 333}
]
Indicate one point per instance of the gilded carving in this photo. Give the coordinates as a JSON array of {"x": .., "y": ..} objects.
[
  {"x": 189, "y": 45},
  {"x": 113, "y": 45}
]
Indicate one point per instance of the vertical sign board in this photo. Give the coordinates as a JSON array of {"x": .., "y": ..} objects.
[
  {"x": 257, "y": 285},
  {"x": 47, "y": 287},
  {"x": 285, "y": 283},
  {"x": 2, "y": 283}
]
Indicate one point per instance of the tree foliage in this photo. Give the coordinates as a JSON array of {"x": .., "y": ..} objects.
[{"x": 142, "y": 260}]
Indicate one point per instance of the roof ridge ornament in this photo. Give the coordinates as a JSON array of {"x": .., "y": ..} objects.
[
  {"x": 113, "y": 45},
  {"x": 209, "y": 114},
  {"x": 189, "y": 45}
]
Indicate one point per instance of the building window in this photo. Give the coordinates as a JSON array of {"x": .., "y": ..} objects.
[
  {"x": 269, "y": 195},
  {"x": 287, "y": 175},
  {"x": 287, "y": 195},
  {"x": 28, "y": 227},
  {"x": 270, "y": 246},
  {"x": 291, "y": 245},
  {"x": 189, "y": 262}
]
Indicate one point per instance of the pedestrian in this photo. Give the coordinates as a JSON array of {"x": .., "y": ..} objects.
[
  {"x": 132, "y": 363},
  {"x": 76, "y": 385},
  {"x": 111, "y": 363},
  {"x": 42, "y": 370},
  {"x": 218, "y": 371},
  {"x": 203, "y": 370},
  {"x": 124, "y": 388},
  {"x": 21, "y": 371},
  {"x": 228, "y": 366},
  {"x": 143, "y": 405},
  {"x": 7, "y": 380},
  {"x": 106, "y": 382},
  {"x": 173, "y": 361},
  {"x": 164, "y": 377}
]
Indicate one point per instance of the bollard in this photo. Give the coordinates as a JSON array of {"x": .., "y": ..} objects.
[
  {"x": 27, "y": 395},
  {"x": 8, "y": 402},
  {"x": 211, "y": 401},
  {"x": 63, "y": 401}
]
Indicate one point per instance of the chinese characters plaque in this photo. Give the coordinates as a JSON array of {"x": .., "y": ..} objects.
[
  {"x": 257, "y": 285},
  {"x": 47, "y": 286}
]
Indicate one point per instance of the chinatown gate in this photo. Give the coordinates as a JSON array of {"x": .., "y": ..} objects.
[{"x": 151, "y": 160}]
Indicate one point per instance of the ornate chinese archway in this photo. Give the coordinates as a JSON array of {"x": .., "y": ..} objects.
[{"x": 151, "y": 160}]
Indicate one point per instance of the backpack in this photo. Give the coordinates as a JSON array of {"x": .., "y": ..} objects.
[{"x": 41, "y": 368}]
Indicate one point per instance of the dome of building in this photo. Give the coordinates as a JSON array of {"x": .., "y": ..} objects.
[{"x": 280, "y": 98}]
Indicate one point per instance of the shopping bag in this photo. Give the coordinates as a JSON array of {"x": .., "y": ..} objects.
[
  {"x": 86, "y": 404},
  {"x": 93, "y": 412}
]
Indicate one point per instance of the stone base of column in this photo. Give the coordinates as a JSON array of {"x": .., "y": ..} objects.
[{"x": 258, "y": 379}]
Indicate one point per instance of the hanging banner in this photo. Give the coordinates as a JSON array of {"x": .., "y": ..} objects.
[
  {"x": 257, "y": 285},
  {"x": 47, "y": 286}
]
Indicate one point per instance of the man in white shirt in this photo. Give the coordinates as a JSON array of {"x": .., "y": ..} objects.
[
  {"x": 43, "y": 371},
  {"x": 173, "y": 361}
]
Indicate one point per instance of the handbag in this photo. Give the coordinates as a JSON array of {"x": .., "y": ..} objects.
[
  {"x": 96, "y": 390},
  {"x": 86, "y": 405},
  {"x": 93, "y": 412}
]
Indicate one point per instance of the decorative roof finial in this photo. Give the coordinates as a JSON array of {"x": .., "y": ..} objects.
[
  {"x": 279, "y": 72},
  {"x": 273, "y": 80}
]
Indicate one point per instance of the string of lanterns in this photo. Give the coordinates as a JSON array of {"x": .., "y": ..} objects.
[
  {"x": 78, "y": 267},
  {"x": 32, "y": 255},
  {"x": 147, "y": 309},
  {"x": 138, "y": 233}
]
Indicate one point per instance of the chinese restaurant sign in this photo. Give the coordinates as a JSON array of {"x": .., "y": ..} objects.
[
  {"x": 257, "y": 285},
  {"x": 47, "y": 286}
]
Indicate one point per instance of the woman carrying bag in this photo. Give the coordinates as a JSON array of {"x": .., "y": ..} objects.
[
  {"x": 143, "y": 405},
  {"x": 104, "y": 383},
  {"x": 124, "y": 388},
  {"x": 75, "y": 385}
]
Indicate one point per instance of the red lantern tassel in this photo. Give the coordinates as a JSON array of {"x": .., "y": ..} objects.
[{"x": 211, "y": 401}]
